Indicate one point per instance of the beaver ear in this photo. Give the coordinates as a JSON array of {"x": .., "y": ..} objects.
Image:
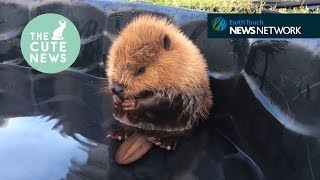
[{"x": 165, "y": 41}]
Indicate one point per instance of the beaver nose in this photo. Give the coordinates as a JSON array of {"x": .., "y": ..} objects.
[{"x": 117, "y": 88}]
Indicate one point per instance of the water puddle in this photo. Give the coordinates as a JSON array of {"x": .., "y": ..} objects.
[{"x": 32, "y": 148}]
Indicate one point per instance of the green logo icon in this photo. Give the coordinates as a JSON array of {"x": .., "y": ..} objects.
[
  {"x": 50, "y": 43},
  {"x": 219, "y": 24}
]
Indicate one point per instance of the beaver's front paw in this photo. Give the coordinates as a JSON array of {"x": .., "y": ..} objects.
[
  {"x": 130, "y": 105},
  {"x": 116, "y": 101}
]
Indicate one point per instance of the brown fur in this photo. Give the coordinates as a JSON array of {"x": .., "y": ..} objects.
[{"x": 181, "y": 69}]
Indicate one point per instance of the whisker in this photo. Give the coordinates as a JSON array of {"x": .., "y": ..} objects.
[
  {"x": 104, "y": 90},
  {"x": 99, "y": 83},
  {"x": 100, "y": 87}
]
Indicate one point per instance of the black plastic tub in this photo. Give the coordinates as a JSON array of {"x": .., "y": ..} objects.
[{"x": 265, "y": 123}]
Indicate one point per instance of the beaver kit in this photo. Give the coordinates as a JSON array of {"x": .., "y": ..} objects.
[{"x": 159, "y": 82}]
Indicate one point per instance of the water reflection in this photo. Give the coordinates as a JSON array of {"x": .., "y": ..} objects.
[
  {"x": 31, "y": 148},
  {"x": 283, "y": 114},
  {"x": 283, "y": 75}
]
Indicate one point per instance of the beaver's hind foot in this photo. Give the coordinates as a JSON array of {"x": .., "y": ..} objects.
[
  {"x": 168, "y": 143},
  {"x": 119, "y": 133}
]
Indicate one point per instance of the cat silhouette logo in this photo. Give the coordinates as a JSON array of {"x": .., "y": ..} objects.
[{"x": 57, "y": 33}]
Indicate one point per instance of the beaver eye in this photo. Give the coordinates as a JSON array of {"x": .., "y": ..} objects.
[{"x": 140, "y": 71}]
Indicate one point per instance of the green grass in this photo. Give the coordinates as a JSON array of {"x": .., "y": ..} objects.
[
  {"x": 301, "y": 9},
  {"x": 225, "y": 6}
]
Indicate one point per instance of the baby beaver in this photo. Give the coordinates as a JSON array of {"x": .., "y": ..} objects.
[{"x": 159, "y": 82}]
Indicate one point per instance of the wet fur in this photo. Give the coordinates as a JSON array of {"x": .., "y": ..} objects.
[{"x": 177, "y": 76}]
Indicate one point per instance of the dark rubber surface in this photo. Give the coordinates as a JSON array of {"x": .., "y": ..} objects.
[{"x": 265, "y": 122}]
